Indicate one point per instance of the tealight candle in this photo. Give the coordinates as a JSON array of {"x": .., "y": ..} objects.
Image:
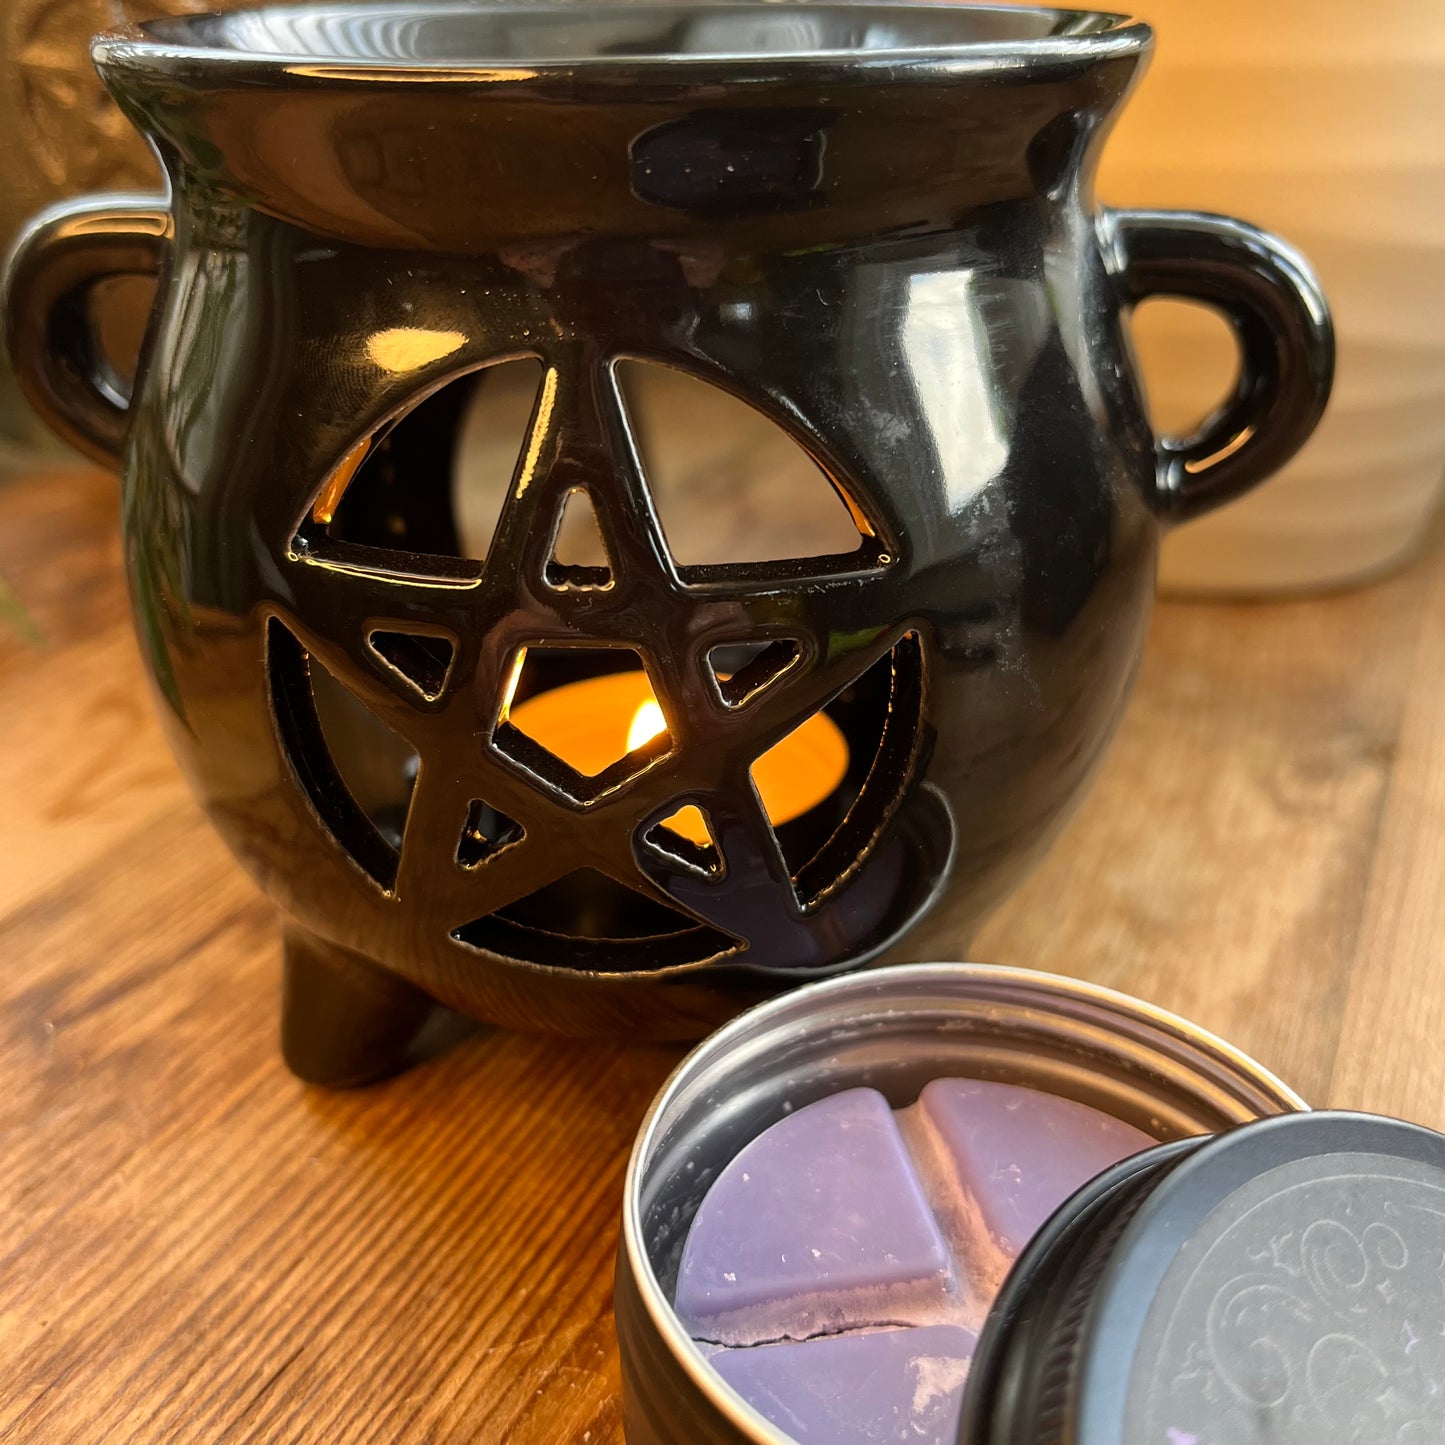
[
  {"x": 593, "y": 722},
  {"x": 841, "y": 1265}
]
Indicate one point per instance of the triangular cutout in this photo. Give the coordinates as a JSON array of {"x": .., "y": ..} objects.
[
  {"x": 591, "y": 923},
  {"x": 492, "y": 439},
  {"x": 358, "y": 772},
  {"x": 486, "y": 833},
  {"x": 588, "y": 904},
  {"x": 377, "y": 765},
  {"x": 742, "y": 671},
  {"x": 796, "y": 777},
  {"x": 687, "y": 835},
  {"x": 730, "y": 484},
  {"x": 431, "y": 481},
  {"x": 579, "y": 559},
  {"x": 423, "y": 659}
]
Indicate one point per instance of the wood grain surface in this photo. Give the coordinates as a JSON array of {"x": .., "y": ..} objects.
[{"x": 194, "y": 1247}]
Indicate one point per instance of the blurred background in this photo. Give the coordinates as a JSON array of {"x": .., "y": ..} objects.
[
  {"x": 1318, "y": 119},
  {"x": 64, "y": 137},
  {"x": 1323, "y": 121}
]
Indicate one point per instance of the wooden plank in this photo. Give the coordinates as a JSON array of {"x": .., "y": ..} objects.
[
  {"x": 195, "y": 1247},
  {"x": 1219, "y": 866},
  {"x": 60, "y": 558},
  {"x": 1391, "y": 1056},
  {"x": 82, "y": 761}
]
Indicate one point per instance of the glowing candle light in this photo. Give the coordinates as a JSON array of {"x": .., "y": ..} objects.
[
  {"x": 647, "y": 723},
  {"x": 592, "y": 723}
]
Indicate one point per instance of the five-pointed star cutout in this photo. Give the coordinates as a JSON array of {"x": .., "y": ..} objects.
[{"x": 580, "y": 439}]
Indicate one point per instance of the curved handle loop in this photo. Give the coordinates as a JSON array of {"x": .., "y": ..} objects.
[
  {"x": 47, "y": 284},
  {"x": 1269, "y": 295}
]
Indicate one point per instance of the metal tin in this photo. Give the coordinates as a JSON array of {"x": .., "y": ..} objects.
[
  {"x": 1280, "y": 1282},
  {"x": 892, "y": 1030}
]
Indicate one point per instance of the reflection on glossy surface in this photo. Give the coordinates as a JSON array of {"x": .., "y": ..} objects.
[
  {"x": 472, "y": 34},
  {"x": 409, "y": 348},
  {"x": 899, "y": 267},
  {"x": 946, "y": 340}
]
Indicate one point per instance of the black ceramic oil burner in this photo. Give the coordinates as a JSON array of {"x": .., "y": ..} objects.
[{"x": 870, "y": 224}]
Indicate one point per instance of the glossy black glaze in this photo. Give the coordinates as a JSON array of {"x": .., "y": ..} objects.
[
  {"x": 874, "y": 223},
  {"x": 1277, "y": 1282}
]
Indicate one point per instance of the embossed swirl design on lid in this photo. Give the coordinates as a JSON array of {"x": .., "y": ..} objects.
[{"x": 1284, "y": 1281}]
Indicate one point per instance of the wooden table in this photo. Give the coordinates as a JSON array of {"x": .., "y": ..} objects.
[{"x": 195, "y": 1247}]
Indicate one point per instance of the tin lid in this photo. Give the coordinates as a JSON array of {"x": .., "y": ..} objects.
[{"x": 1281, "y": 1282}]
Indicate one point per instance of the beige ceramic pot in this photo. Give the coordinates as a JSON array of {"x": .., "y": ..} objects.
[{"x": 1325, "y": 121}]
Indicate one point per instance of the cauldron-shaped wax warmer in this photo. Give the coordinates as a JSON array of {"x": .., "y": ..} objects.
[{"x": 598, "y": 743}]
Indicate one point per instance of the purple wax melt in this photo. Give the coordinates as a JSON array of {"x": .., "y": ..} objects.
[
  {"x": 1003, "y": 1158},
  {"x": 859, "y": 1388},
  {"x": 873, "y": 1243},
  {"x": 819, "y": 1225}
]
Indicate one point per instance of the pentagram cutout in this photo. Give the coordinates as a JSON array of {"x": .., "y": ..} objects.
[{"x": 667, "y": 855}]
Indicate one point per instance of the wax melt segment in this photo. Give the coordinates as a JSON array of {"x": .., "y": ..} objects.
[
  {"x": 1014, "y": 1155},
  {"x": 858, "y": 1389},
  {"x": 817, "y": 1225}
]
